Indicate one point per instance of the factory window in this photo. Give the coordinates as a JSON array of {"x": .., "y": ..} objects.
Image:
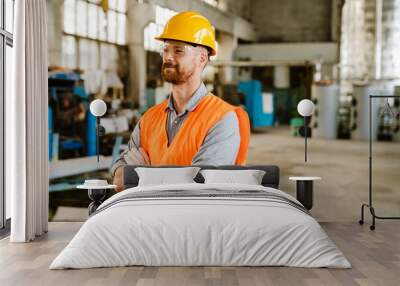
[
  {"x": 369, "y": 50},
  {"x": 69, "y": 59},
  {"x": 81, "y": 18},
  {"x": 6, "y": 60},
  {"x": 69, "y": 16},
  {"x": 108, "y": 56},
  {"x": 212, "y": 2},
  {"x": 94, "y": 20},
  {"x": 89, "y": 24},
  {"x": 154, "y": 29},
  {"x": 88, "y": 55},
  {"x": 151, "y": 31},
  {"x": 390, "y": 54}
]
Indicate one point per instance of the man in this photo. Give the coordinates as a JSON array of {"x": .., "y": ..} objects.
[{"x": 191, "y": 127}]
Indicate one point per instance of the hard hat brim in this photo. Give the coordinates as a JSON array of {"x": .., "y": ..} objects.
[{"x": 213, "y": 52}]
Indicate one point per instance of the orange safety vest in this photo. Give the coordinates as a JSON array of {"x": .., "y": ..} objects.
[{"x": 191, "y": 134}]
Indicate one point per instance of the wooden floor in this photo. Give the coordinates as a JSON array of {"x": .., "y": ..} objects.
[{"x": 375, "y": 257}]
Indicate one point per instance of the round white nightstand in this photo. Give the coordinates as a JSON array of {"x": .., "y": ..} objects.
[{"x": 304, "y": 190}]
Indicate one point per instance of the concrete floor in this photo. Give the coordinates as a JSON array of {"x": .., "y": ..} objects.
[{"x": 342, "y": 164}]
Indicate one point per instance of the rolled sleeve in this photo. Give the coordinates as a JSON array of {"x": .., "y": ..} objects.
[{"x": 134, "y": 142}]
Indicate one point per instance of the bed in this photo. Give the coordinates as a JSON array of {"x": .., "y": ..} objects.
[{"x": 201, "y": 224}]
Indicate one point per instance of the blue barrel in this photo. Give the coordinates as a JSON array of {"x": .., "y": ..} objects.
[{"x": 259, "y": 105}]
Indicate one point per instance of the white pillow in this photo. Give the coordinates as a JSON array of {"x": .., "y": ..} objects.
[
  {"x": 162, "y": 176},
  {"x": 249, "y": 177}
]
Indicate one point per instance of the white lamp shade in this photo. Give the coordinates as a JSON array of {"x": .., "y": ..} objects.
[
  {"x": 98, "y": 107},
  {"x": 305, "y": 107}
]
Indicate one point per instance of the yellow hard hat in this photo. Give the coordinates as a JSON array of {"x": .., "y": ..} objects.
[{"x": 190, "y": 27}]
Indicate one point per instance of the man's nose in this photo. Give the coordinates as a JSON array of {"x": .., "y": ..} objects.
[
  {"x": 168, "y": 56},
  {"x": 168, "y": 60}
]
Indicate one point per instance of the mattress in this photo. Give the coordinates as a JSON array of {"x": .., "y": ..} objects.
[{"x": 201, "y": 225}]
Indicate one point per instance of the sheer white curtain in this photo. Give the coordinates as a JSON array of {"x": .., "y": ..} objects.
[{"x": 26, "y": 124}]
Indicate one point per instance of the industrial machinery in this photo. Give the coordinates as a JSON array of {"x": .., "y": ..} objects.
[
  {"x": 389, "y": 119},
  {"x": 231, "y": 95},
  {"x": 396, "y": 104},
  {"x": 326, "y": 100},
  {"x": 72, "y": 138},
  {"x": 259, "y": 105},
  {"x": 72, "y": 126},
  {"x": 67, "y": 115},
  {"x": 385, "y": 127},
  {"x": 347, "y": 116}
]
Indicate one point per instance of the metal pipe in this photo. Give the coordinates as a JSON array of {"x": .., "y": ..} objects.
[
  {"x": 261, "y": 63},
  {"x": 370, "y": 150}
]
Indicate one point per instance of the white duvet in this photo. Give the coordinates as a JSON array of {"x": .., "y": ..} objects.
[{"x": 200, "y": 231}]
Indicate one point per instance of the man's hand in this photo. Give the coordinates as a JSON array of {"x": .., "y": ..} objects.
[
  {"x": 132, "y": 157},
  {"x": 119, "y": 178}
]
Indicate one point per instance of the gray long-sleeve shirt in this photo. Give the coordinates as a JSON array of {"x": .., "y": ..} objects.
[{"x": 220, "y": 146}]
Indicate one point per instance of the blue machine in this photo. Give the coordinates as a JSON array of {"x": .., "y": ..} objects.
[
  {"x": 259, "y": 105},
  {"x": 68, "y": 82},
  {"x": 91, "y": 137}
]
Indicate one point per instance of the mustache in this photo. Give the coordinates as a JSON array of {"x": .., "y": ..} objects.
[{"x": 169, "y": 65}]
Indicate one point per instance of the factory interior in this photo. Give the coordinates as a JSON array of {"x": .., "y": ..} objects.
[
  {"x": 271, "y": 54},
  {"x": 327, "y": 51}
]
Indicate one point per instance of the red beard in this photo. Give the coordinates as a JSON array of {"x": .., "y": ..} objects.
[{"x": 174, "y": 74}]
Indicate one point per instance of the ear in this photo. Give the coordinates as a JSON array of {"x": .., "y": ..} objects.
[{"x": 203, "y": 57}]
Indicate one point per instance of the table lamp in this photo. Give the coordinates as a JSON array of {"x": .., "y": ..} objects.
[{"x": 306, "y": 109}]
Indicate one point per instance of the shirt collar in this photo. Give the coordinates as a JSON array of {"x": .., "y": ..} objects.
[{"x": 193, "y": 101}]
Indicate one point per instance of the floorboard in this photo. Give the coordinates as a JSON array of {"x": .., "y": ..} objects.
[{"x": 375, "y": 257}]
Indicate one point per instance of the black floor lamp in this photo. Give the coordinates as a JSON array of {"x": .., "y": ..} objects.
[
  {"x": 98, "y": 108},
  {"x": 306, "y": 109}
]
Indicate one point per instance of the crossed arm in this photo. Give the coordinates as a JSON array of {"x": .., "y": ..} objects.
[{"x": 220, "y": 147}]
